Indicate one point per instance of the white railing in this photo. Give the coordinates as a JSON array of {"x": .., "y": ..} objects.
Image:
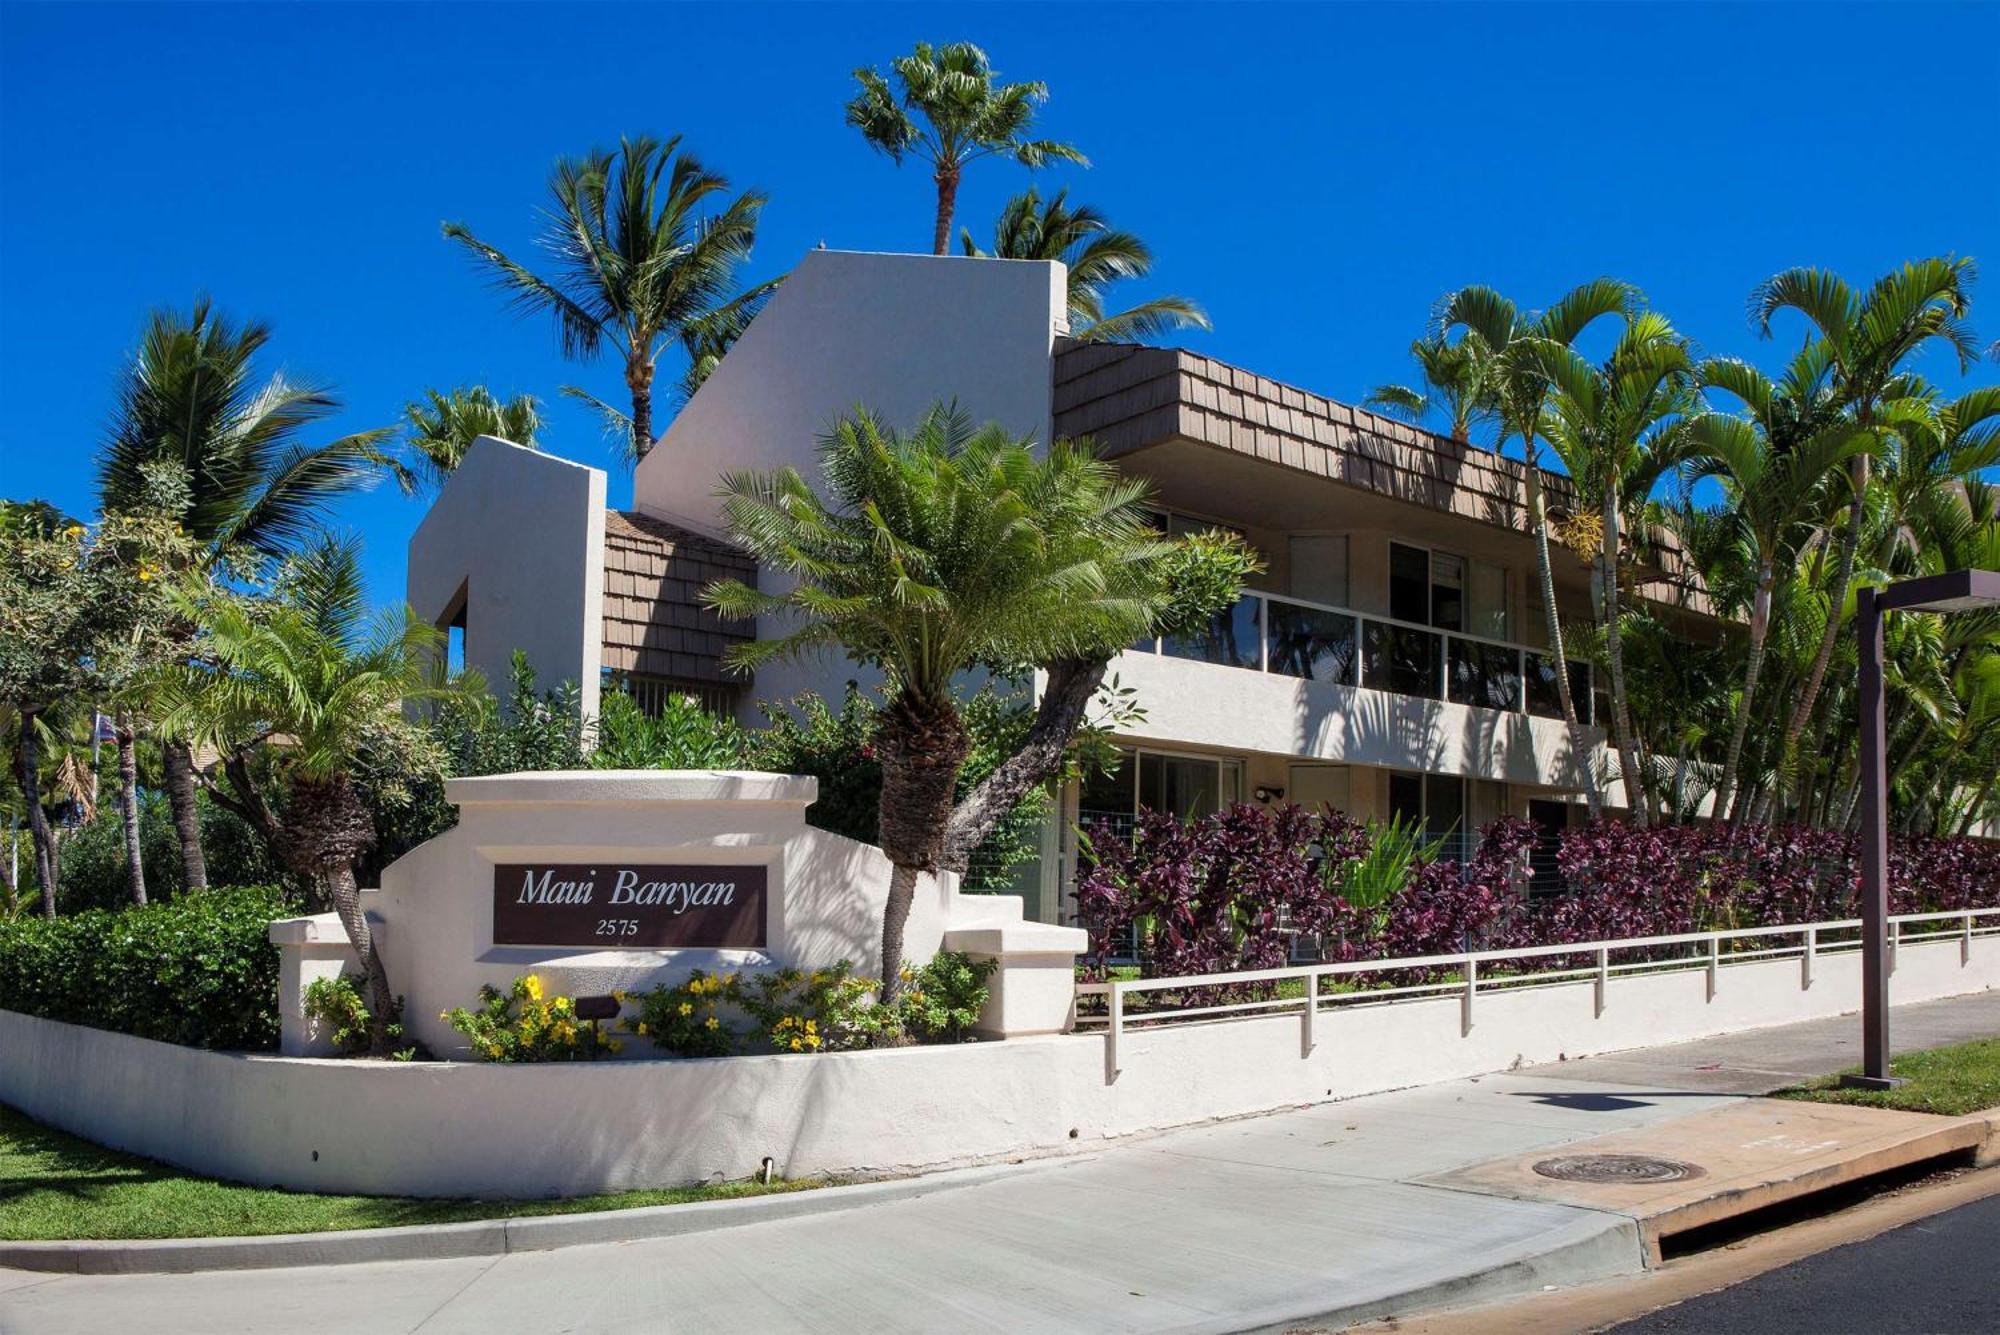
[{"x": 1469, "y": 981}]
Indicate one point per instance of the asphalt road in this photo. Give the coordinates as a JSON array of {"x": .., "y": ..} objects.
[{"x": 1936, "y": 1276}]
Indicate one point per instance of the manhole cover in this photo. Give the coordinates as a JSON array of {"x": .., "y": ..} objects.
[{"x": 1617, "y": 1168}]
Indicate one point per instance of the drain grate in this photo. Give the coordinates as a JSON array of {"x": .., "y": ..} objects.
[{"x": 1635, "y": 1168}]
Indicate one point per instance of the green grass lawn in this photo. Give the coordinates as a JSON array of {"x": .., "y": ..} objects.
[
  {"x": 1953, "y": 1081},
  {"x": 55, "y": 1187}
]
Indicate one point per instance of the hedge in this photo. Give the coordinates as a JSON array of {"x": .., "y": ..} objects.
[{"x": 200, "y": 971}]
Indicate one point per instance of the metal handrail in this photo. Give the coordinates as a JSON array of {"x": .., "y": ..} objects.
[{"x": 1467, "y": 963}]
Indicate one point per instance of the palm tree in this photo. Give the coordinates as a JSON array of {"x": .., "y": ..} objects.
[
  {"x": 1775, "y": 461},
  {"x": 1613, "y": 426},
  {"x": 191, "y": 398},
  {"x": 314, "y": 682},
  {"x": 1455, "y": 382},
  {"x": 1521, "y": 397},
  {"x": 965, "y": 118},
  {"x": 1096, "y": 255},
  {"x": 1870, "y": 339},
  {"x": 935, "y": 552},
  {"x": 438, "y": 431},
  {"x": 645, "y": 250}
]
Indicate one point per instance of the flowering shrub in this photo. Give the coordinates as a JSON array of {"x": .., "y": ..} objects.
[
  {"x": 825, "y": 1010},
  {"x": 686, "y": 1019},
  {"x": 339, "y": 1007},
  {"x": 524, "y": 1025}
]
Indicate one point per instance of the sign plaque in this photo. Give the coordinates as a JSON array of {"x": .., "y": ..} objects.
[{"x": 628, "y": 906}]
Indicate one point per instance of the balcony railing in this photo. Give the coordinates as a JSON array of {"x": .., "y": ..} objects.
[{"x": 1266, "y": 632}]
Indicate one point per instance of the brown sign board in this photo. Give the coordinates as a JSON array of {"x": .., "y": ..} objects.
[{"x": 622, "y": 906}]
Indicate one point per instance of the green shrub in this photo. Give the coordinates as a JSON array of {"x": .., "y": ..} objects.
[
  {"x": 821, "y": 1010},
  {"x": 340, "y": 1007},
  {"x": 940, "y": 1003},
  {"x": 200, "y": 971},
  {"x": 683, "y": 735},
  {"x": 93, "y": 855}
]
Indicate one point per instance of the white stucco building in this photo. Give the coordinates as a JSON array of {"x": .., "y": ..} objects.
[{"x": 1389, "y": 660}]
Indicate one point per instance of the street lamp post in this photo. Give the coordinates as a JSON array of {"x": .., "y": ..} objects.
[{"x": 1959, "y": 591}]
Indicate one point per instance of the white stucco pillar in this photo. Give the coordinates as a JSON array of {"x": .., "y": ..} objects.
[{"x": 1032, "y": 989}]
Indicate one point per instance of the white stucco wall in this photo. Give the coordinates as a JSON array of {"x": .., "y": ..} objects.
[
  {"x": 522, "y": 533},
  {"x": 825, "y": 895},
  {"x": 524, "y": 1131},
  {"x": 890, "y": 333},
  {"x": 1194, "y": 704}
]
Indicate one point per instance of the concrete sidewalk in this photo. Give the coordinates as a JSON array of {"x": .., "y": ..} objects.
[{"x": 1310, "y": 1217}]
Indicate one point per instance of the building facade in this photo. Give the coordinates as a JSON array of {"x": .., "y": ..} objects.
[{"x": 1390, "y": 659}]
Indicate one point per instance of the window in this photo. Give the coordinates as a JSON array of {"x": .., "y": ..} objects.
[
  {"x": 1307, "y": 642},
  {"x": 650, "y": 693},
  {"x": 1447, "y": 591},
  {"x": 1409, "y": 584},
  {"x": 1435, "y": 804},
  {"x": 1184, "y": 786},
  {"x": 1486, "y": 600},
  {"x": 1543, "y": 700},
  {"x": 1399, "y": 659}
]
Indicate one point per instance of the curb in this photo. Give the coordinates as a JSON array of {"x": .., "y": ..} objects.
[{"x": 480, "y": 1237}]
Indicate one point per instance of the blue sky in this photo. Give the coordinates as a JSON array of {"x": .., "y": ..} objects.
[{"x": 1316, "y": 176}]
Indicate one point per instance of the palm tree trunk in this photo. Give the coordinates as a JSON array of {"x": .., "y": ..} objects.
[
  {"x": 345, "y": 895},
  {"x": 1978, "y": 805},
  {"x": 128, "y": 802},
  {"x": 1760, "y": 626},
  {"x": 1579, "y": 745},
  {"x": 947, "y": 203},
  {"x": 28, "y": 760},
  {"x": 178, "y": 763},
  {"x": 921, "y": 745},
  {"x": 1614, "y": 644},
  {"x": 1850, "y": 542},
  {"x": 639, "y": 379}
]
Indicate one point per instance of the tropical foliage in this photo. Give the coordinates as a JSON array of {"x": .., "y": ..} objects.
[
  {"x": 945, "y": 109},
  {"x": 1096, "y": 255},
  {"x": 945, "y": 549},
  {"x": 645, "y": 245},
  {"x": 440, "y": 428}
]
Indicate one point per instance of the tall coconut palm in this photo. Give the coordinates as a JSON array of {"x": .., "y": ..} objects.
[
  {"x": 940, "y": 550},
  {"x": 192, "y": 397},
  {"x": 315, "y": 682},
  {"x": 1521, "y": 399},
  {"x": 1775, "y": 460},
  {"x": 439, "y": 430},
  {"x": 645, "y": 246},
  {"x": 965, "y": 116},
  {"x": 1456, "y": 382},
  {"x": 1613, "y": 426},
  {"x": 1871, "y": 338},
  {"x": 1096, "y": 255}
]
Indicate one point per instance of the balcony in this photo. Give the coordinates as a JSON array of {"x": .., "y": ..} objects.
[{"x": 1289, "y": 637}]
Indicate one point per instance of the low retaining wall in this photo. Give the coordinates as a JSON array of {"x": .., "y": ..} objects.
[{"x": 464, "y": 1129}]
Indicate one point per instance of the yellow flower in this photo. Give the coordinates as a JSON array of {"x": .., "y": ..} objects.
[
  {"x": 687, "y": 1008},
  {"x": 714, "y": 1023},
  {"x": 795, "y": 1045},
  {"x": 641, "y": 1030},
  {"x": 615, "y": 1046},
  {"x": 532, "y": 985}
]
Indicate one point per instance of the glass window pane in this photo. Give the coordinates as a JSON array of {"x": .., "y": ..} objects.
[
  {"x": 1444, "y": 814},
  {"x": 1543, "y": 702},
  {"x": 1487, "y": 675},
  {"x": 1307, "y": 642},
  {"x": 1191, "y": 786},
  {"x": 1486, "y": 600},
  {"x": 1109, "y": 798},
  {"x": 1399, "y": 659},
  {"x": 1409, "y": 583},
  {"x": 1231, "y": 638},
  {"x": 1406, "y": 798},
  {"x": 1447, "y": 591}
]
